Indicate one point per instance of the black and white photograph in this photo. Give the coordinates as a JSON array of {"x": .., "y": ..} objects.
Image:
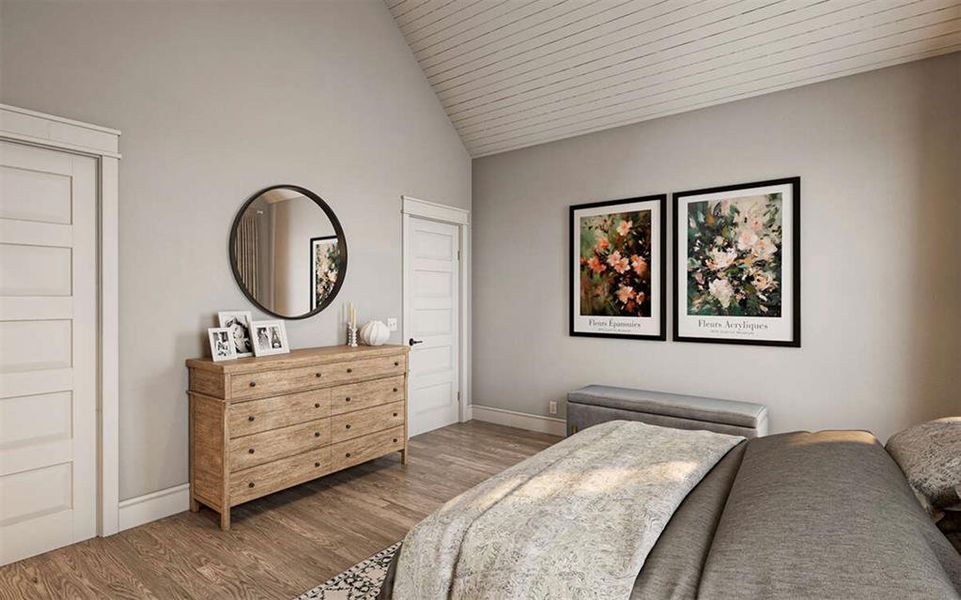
[
  {"x": 238, "y": 322},
  {"x": 269, "y": 337},
  {"x": 221, "y": 344}
]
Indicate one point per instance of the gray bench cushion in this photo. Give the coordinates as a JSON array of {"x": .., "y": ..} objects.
[{"x": 597, "y": 403}]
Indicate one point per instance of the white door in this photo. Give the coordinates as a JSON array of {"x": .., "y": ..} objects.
[
  {"x": 48, "y": 352},
  {"x": 432, "y": 323}
]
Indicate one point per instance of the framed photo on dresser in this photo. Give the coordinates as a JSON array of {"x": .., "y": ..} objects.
[
  {"x": 737, "y": 264},
  {"x": 269, "y": 337},
  {"x": 618, "y": 268},
  {"x": 221, "y": 344}
]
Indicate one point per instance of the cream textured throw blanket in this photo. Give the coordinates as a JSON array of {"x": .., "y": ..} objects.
[{"x": 574, "y": 521}]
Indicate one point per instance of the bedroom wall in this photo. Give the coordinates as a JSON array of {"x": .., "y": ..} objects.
[
  {"x": 879, "y": 156},
  {"x": 216, "y": 101}
]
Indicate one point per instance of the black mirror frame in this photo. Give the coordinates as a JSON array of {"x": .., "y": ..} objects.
[{"x": 341, "y": 240}]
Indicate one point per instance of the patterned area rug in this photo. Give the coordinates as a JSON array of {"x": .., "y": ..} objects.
[{"x": 360, "y": 582}]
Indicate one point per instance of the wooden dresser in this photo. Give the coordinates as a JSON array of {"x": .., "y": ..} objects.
[{"x": 259, "y": 425}]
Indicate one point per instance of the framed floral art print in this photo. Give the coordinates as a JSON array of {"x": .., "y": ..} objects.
[
  {"x": 737, "y": 264},
  {"x": 618, "y": 268},
  {"x": 325, "y": 269}
]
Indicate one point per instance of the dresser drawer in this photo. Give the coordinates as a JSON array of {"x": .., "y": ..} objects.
[
  {"x": 273, "y": 383},
  {"x": 284, "y": 381},
  {"x": 279, "y": 474},
  {"x": 346, "y": 398},
  {"x": 361, "y": 422},
  {"x": 368, "y": 447},
  {"x": 259, "y": 448},
  {"x": 365, "y": 369},
  {"x": 255, "y": 416}
]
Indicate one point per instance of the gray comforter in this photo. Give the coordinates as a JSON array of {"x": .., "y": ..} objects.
[{"x": 800, "y": 515}]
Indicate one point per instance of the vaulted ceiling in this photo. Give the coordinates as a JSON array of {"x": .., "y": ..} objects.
[{"x": 515, "y": 73}]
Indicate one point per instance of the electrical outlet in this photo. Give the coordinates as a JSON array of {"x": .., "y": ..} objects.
[
  {"x": 552, "y": 407},
  {"x": 392, "y": 323}
]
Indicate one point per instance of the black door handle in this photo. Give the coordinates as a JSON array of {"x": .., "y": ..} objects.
[{"x": 414, "y": 342}]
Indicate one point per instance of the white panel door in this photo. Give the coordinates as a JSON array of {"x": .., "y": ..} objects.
[
  {"x": 432, "y": 324},
  {"x": 48, "y": 352}
]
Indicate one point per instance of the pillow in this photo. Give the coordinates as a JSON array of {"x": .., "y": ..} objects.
[{"x": 930, "y": 457}]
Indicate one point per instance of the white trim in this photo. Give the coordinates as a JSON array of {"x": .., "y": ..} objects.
[
  {"x": 109, "y": 423},
  {"x": 55, "y": 118},
  {"x": 153, "y": 506},
  {"x": 520, "y": 420},
  {"x": 413, "y": 207},
  {"x": 435, "y": 211},
  {"x": 49, "y": 131},
  {"x": 36, "y": 128}
]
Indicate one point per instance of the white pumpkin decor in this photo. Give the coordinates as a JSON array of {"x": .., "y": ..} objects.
[{"x": 374, "y": 333}]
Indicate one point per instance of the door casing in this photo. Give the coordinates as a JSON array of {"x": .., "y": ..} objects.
[{"x": 23, "y": 126}]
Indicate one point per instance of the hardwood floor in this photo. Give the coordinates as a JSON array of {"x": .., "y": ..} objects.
[{"x": 284, "y": 544}]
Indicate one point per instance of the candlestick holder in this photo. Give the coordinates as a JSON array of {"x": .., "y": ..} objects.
[{"x": 351, "y": 336}]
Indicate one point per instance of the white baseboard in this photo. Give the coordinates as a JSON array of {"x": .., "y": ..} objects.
[
  {"x": 520, "y": 420},
  {"x": 153, "y": 506}
]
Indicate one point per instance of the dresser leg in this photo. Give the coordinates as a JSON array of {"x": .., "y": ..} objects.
[
  {"x": 403, "y": 456},
  {"x": 194, "y": 505},
  {"x": 225, "y": 520}
]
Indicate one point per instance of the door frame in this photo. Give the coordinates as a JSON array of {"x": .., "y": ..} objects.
[
  {"x": 432, "y": 211},
  {"x": 28, "y": 127}
]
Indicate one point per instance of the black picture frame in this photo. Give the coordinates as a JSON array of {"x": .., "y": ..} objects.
[
  {"x": 795, "y": 243},
  {"x": 339, "y": 234},
  {"x": 313, "y": 267},
  {"x": 574, "y": 275}
]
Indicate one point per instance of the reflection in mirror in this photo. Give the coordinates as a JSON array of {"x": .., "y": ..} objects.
[{"x": 288, "y": 252}]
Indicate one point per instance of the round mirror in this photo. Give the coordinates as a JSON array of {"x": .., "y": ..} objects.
[{"x": 288, "y": 251}]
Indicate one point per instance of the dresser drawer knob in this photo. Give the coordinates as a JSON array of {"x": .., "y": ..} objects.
[
  {"x": 251, "y": 484},
  {"x": 395, "y": 389},
  {"x": 316, "y": 404},
  {"x": 347, "y": 425},
  {"x": 347, "y": 455},
  {"x": 347, "y": 399},
  {"x": 253, "y": 384},
  {"x": 396, "y": 364},
  {"x": 350, "y": 370},
  {"x": 316, "y": 464},
  {"x": 251, "y": 451},
  {"x": 395, "y": 440},
  {"x": 317, "y": 374},
  {"x": 395, "y": 414},
  {"x": 316, "y": 434},
  {"x": 250, "y": 418}
]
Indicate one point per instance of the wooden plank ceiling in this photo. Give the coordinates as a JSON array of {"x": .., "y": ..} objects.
[{"x": 515, "y": 73}]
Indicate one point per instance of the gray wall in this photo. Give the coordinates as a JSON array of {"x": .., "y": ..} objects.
[
  {"x": 215, "y": 101},
  {"x": 879, "y": 156}
]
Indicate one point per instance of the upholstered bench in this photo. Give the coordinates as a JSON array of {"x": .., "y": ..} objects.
[{"x": 599, "y": 403}]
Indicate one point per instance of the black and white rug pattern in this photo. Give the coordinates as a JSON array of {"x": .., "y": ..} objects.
[{"x": 360, "y": 582}]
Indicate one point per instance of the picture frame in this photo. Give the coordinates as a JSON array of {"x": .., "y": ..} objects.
[
  {"x": 737, "y": 264},
  {"x": 324, "y": 273},
  {"x": 221, "y": 344},
  {"x": 269, "y": 337},
  {"x": 618, "y": 255},
  {"x": 238, "y": 321}
]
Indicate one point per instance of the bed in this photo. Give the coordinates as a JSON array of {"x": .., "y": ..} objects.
[{"x": 794, "y": 515}]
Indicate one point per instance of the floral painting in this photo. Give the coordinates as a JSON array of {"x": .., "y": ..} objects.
[
  {"x": 618, "y": 269},
  {"x": 325, "y": 268},
  {"x": 734, "y": 256},
  {"x": 737, "y": 264},
  {"x": 615, "y": 258}
]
